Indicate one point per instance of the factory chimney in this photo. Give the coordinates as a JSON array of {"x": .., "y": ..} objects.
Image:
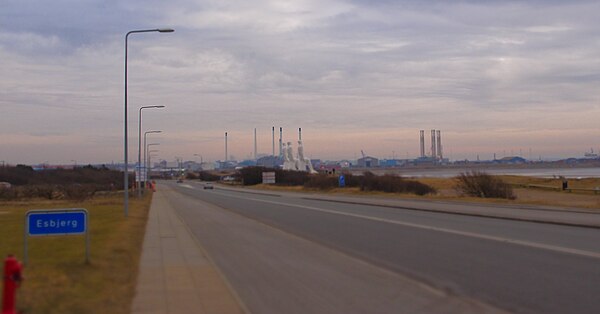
[
  {"x": 273, "y": 141},
  {"x": 280, "y": 142},
  {"x": 439, "y": 144},
  {"x": 255, "y": 154},
  {"x": 433, "y": 146},
  {"x": 225, "y": 146},
  {"x": 422, "y": 142}
]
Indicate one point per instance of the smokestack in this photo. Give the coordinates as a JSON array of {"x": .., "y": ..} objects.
[
  {"x": 280, "y": 142},
  {"x": 273, "y": 141},
  {"x": 225, "y": 146},
  {"x": 299, "y": 134},
  {"x": 433, "y": 146},
  {"x": 422, "y": 142},
  {"x": 255, "y": 144},
  {"x": 439, "y": 144}
]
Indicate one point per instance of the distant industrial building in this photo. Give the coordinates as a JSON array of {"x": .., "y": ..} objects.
[
  {"x": 269, "y": 161},
  {"x": 368, "y": 162},
  {"x": 345, "y": 163},
  {"x": 391, "y": 163},
  {"x": 511, "y": 160}
]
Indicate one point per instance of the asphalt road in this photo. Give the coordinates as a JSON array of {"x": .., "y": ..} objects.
[{"x": 485, "y": 263}]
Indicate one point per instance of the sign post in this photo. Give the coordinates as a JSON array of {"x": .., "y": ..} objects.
[
  {"x": 54, "y": 222},
  {"x": 342, "y": 181},
  {"x": 268, "y": 177}
]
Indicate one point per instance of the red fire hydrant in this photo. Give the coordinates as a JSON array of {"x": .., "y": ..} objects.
[{"x": 12, "y": 278}]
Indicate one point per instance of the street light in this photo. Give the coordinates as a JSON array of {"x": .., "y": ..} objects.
[
  {"x": 152, "y": 155},
  {"x": 146, "y": 133},
  {"x": 146, "y": 153},
  {"x": 149, "y": 151},
  {"x": 139, "y": 172},
  {"x": 126, "y": 175}
]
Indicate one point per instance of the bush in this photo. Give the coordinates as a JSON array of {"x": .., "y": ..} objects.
[
  {"x": 366, "y": 182},
  {"x": 393, "y": 184},
  {"x": 25, "y": 175},
  {"x": 8, "y": 193},
  {"x": 370, "y": 182},
  {"x": 79, "y": 192},
  {"x": 481, "y": 184},
  {"x": 291, "y": 178},
  {"x": 253, "y": 176},
  {"x": 45, "y": 191},
  {"x": 322, "y": 182},
  {"x": 207, "y": 176}
]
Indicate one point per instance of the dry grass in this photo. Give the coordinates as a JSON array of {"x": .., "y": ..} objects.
[
  {"x": 57, "y": 280},
  {"x": 530, "y": 196}
]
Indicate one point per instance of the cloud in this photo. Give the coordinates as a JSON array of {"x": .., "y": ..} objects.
[{"x": 357, "y": 69}]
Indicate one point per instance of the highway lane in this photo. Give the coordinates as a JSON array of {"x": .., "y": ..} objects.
[
  {"x": 583, "y": 239},
  {"x": 517, "y": 266}
]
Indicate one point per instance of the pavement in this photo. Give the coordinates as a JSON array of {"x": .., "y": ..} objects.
[{"x": 175, "y": 274}]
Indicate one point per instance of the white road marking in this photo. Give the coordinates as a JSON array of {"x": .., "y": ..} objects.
[
  {"x": 187, "y": 186},
  {"x": 425, "y": 227}
]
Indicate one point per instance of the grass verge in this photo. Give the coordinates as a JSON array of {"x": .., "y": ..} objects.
[
  {"x": 57, "y": 280},
  {"x": 524, "y": 196}
]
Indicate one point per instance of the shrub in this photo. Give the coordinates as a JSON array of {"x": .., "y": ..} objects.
[
  {"x": 393, "y": 184},
  {"x": 207, "y": 176},
  {"x": 370, "y": 182},
  {"x": 45, "y": 191},
  {"x": 322, "y": 182},
  {"x": 481, "y": 184},
  {"x": 352, "y": 180},
  {"x": 25, "y": 175},
  {"x": 79, "y": 192},
  {"x": 291, "y": 178},
  {"x": 366, "y": 182},
  {"x": 251, "y": 175},
  {"x": 8, "y": 193}
]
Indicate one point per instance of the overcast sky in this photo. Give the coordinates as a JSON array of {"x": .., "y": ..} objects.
[{"x": 495, "y": 76}]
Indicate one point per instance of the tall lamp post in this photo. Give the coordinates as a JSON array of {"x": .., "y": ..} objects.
[
  {"x": 145, "y": 134},
  {"x": 126, "y": 175},
  {"x": 139, "y": 170},
  {"x": 147, "y": 153},
  {"x": 151, "y": 155}
]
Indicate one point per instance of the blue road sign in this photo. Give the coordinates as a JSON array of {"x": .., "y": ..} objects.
[
  {"x": 56, "y": 222},
  {"x": 342, "y": 181}
]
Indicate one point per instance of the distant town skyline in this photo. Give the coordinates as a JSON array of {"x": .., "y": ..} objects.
[{"x": 494, "y": 77}]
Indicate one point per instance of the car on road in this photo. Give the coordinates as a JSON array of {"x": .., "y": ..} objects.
[
  {"x": 179, "y": 181},
  {"x": 208, "y": 186}
]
